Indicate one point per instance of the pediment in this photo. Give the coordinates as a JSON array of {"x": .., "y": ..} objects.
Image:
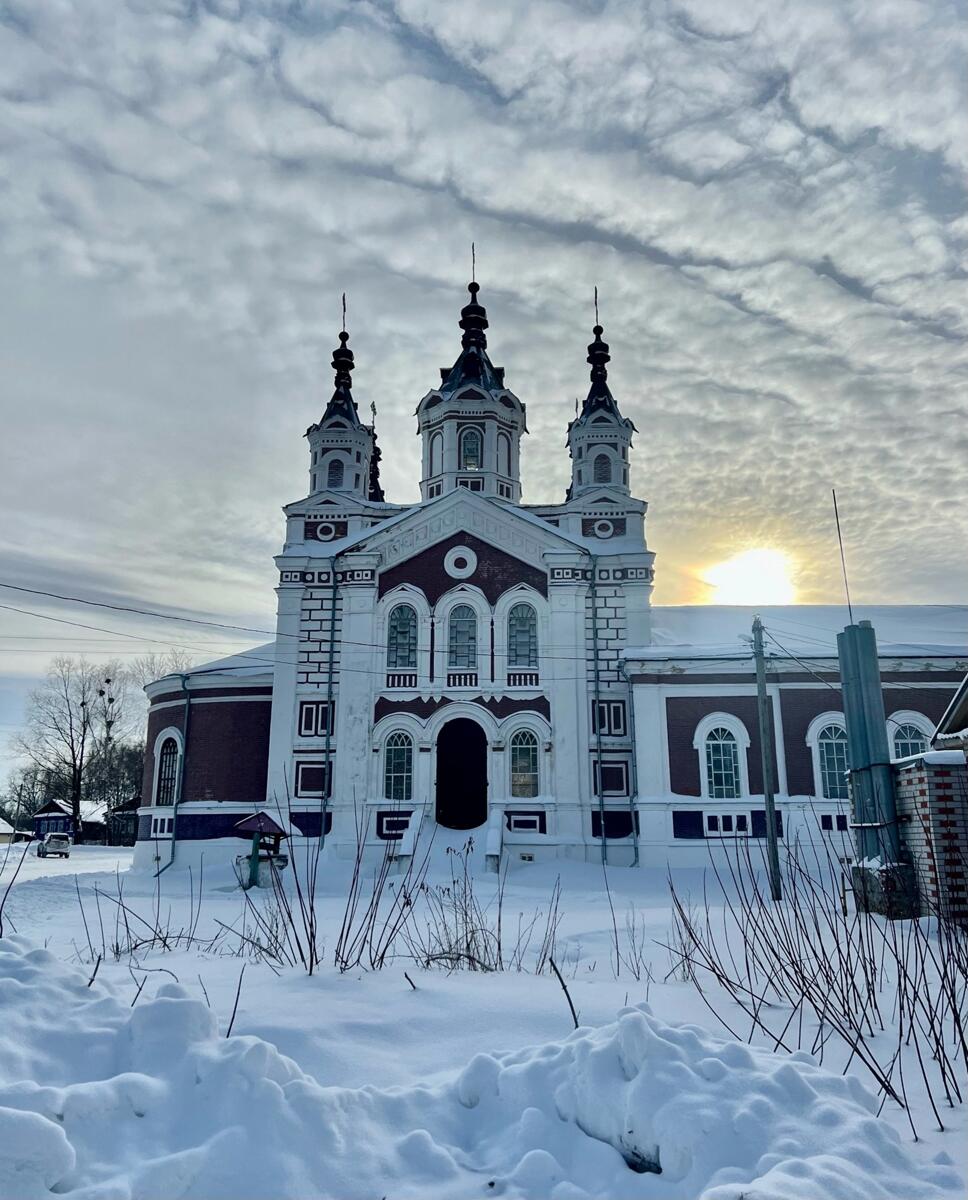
[{"x": 461, "y": 512}]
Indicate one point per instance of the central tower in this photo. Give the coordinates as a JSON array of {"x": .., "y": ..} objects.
[{"x": 471, "y": 425}]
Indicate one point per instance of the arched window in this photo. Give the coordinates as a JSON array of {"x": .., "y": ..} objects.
[
  {"x": 334, "y": 473},
  {"x": 436, "y": 453},
  {"x": 462, "y": 639},
  {"x": 601, "y": 469},
  {"x": 722, "y": 765},
  {"x": 908, "y": 740},
  {"x": 402, "y": 639},
  {"x": 524, "y": 764},
  {"x": 398, "y": 767},
  {"x": 471, "y": 450},
  {"x": 832, "y": 759},
  {"x": 503, "y": 454},
  {"x": 167, "y": 772},
  {"x": 522, "y": 637}
]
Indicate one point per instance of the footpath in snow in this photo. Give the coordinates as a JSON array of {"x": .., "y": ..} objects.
[{"x": 99, "y": 1099}]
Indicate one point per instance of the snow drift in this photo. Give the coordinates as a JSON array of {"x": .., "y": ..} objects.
[{"x": 98, "y": 1099}]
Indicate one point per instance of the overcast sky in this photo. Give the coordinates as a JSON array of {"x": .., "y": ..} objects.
[{"x": 770, "y": 197}]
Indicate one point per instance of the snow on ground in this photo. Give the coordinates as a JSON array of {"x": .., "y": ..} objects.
[{"x": 360, "y": 1084}]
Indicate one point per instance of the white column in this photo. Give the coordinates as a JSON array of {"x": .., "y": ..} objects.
[
  {"x": 359, "y": 659},
  {"x": 282, "y": 727},
  {"x": 649, "y": 733}
]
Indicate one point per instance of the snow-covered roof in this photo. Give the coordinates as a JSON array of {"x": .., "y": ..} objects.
[
  {"x": 248, "y": 664},
  {"x": 953, "y": 726},
  {"x": 5, "y": 826},
  {"x": 723, "y": 631}
]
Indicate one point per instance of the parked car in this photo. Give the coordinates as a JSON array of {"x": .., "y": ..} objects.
[{"x": 54, "y": 843}]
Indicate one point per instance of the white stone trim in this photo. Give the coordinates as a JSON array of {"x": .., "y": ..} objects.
[
  {"x": 170, "y": 731},
  {"x": 475, "y": 599},
  {"x": 739, "y": 731},
  {"x": 908, "y": 716},
  {"x": 814, "y": 729}
]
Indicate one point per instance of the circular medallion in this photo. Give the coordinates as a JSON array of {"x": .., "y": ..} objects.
[
  {"x": 325, "y": 532},
  {"x": 604, "y": 529},
  {"x": 460, "y": 563}
]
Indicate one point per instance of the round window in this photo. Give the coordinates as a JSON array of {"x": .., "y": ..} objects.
[
  {"x": 325, "y": 532},
  {"x": 604, "y": 529},
  {"x": 460, "y": 562}
]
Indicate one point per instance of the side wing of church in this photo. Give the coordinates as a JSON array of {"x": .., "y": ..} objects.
[{"x": 478, "y": 663}]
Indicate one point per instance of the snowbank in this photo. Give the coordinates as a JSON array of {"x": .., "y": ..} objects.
[{"x": 100, "y": 1100}]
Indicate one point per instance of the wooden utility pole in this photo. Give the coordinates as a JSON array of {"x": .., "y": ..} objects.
[{"x": 766, "y": 754}]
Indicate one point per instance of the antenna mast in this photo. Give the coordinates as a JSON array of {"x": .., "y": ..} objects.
[{"x": 843, "y": 560}]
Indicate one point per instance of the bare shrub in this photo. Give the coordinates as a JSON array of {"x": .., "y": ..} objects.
[{"x": 810, "y": 971}]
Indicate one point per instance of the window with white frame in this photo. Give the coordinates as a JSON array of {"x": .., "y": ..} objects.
[
  {"x": 167, "y": 772},
  {"x": 314, "y": 718},
  {"x": 524, "y": 764},
  {"x": 908, "y": 739},
  {"x": 402, "y": 639},
  {"x": 471, "y": 450},
  {"x": 312, "y": 779},
  {"x": 398, "y": 767},
  {"x": 334, "y": 473},
  {"x": 462, "y": 639},
  {"x": 608, "y": 718},
  {"x": 601, "y": 469},
  {"x": 436, "y": 453},
  {"x": 723, "y": 780},
  {"x": 522, "y": 637},
  {"x": 727, "y": 824},
  {"x": 832, "y": 762},
  {"x": 610, "y": 778}
]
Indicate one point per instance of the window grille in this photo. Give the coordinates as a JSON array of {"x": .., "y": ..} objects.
[
  {"x": 462, "y": 639},
  {"x": 522, "y": 637},
  {"x": 601, "y": 469},
  {"x": 524, "y": 763},
  {"x": 398, "y": 767},
  {"x": 832, "y": 753},
  {"x": 470, "y": 450},
  {"x": 402, "y": 639},
  {"x": 334, "y": 473},
  {"x": 167, "y": 771},
  {"x": 722, "y": 765},
  {"x": 908, "y": 740}
]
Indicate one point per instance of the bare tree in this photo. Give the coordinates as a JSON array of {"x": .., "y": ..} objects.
[
  {"x": 77, "y": 716},
  {"x": 148, "y": 667}
]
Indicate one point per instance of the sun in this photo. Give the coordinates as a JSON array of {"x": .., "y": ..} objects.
[{"x": 753, "y": 577}]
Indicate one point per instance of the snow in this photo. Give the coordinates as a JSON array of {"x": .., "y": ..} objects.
[
  {"x": 903, "y": 631},
  {"x": 364, "y": 1085},
  {"x": 100, "y": 1097}
]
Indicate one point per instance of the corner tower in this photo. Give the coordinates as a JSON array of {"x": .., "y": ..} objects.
[
  {"x": 599, "y": 438},
  {"x": 471, "y": 425},
  {"x": 341, "y": 447}
]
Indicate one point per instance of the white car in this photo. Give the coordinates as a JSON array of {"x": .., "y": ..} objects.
[{"x": 54, "y": 843}]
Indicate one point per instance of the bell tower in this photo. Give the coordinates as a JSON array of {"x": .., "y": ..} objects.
[
  {"x": 471, "y": 424},
  {"x": 341, "y": 447},
  {"x": 599, "y": 438}
]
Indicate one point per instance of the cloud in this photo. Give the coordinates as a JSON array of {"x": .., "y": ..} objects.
[{"x": 770, "y": 197}]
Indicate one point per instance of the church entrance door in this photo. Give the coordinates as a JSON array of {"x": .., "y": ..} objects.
[{"x": 461, "y": 774}]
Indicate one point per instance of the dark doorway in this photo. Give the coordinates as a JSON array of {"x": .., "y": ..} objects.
[{"x": 461, "y": 775}]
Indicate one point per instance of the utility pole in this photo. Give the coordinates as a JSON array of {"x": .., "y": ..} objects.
[{"x": 766, "y": 744}]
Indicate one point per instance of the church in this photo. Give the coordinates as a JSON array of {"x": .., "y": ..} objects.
[{"x": 475, "y": 663}]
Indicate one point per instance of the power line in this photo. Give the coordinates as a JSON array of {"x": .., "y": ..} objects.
[{"x": 141, "y": 612}]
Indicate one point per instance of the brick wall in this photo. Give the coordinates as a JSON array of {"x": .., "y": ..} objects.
[
  {"x": 228, "y": 748},
  {"x": 932, "y": 805},
  {"x": 684, "y": 713},
  {"x": 315, "y": 619},
  {"x": 612, "y": 633}
]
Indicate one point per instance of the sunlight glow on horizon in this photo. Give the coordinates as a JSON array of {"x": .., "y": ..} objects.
[{"x": 759, "y": 576}]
